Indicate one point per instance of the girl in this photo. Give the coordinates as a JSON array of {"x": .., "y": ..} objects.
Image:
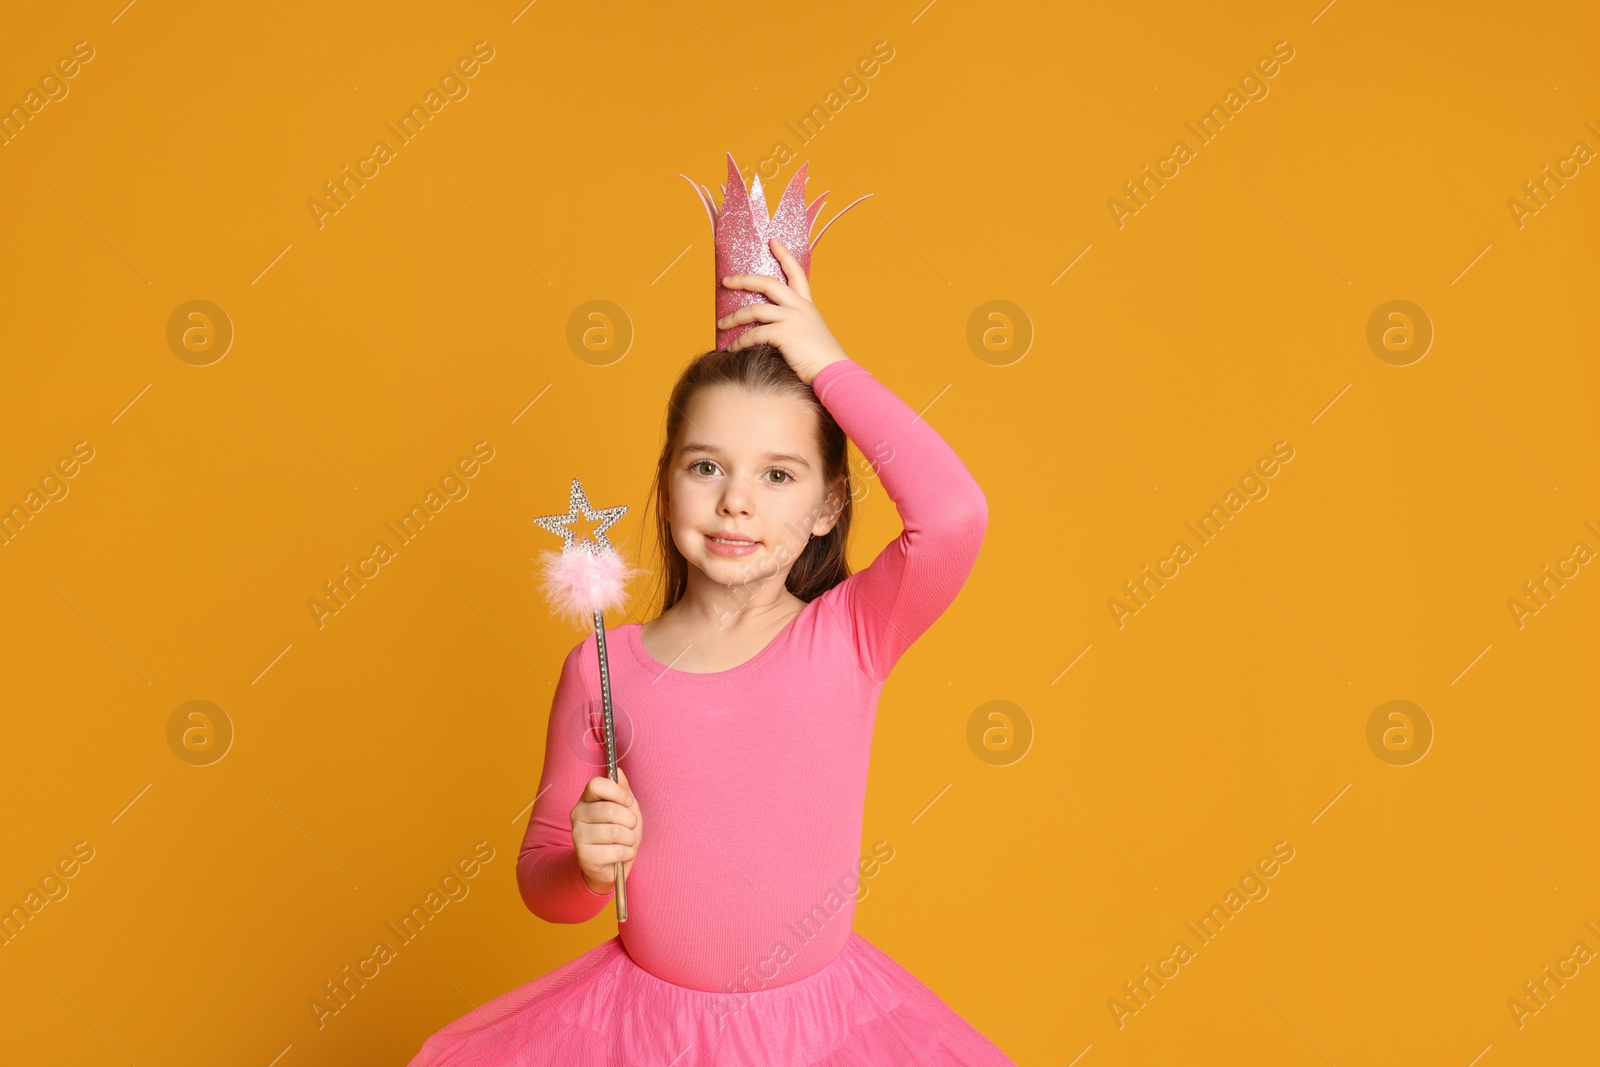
[{"x": 743, "y": 715}]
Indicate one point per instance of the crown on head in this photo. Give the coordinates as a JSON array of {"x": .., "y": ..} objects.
[{"x": 741, "y": 229}]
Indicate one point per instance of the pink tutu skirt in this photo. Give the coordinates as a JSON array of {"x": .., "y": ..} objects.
[{"x": 603, "y": 1010}]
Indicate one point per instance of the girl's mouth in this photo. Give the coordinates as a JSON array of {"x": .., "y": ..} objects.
[{"x": 720, "y": 547}]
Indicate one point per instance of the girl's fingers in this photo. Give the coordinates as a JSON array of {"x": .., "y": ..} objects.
[
  {"x": 752, "y": 313},
  {"x": 771, "y": 288},
  {"x": 606, "y": 833},
  {"x": 758, "y": 335},
  {"x": 605, "y": 857},
  {"x": 609, "y": 811},
  {"x": 603, "y": 789},
  {"x": 792, "y": 269}
]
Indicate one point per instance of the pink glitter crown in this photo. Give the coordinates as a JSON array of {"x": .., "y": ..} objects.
[{"x": 741, "y": 230}]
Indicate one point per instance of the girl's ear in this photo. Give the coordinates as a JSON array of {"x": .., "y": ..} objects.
[{"x": 832, "y": 505}]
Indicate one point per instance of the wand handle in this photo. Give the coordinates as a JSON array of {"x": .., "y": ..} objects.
[{"x": 611, "y": 744}]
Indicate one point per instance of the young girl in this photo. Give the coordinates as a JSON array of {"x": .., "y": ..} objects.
[{"x": 743, "y": 715}]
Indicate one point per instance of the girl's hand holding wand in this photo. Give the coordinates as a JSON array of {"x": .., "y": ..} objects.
[
  {"x": 606, "y": 828},
  {"x": 791, "y": 321}
]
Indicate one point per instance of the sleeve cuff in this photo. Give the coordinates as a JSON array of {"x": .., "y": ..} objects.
[{"x": 827, "y": 374}]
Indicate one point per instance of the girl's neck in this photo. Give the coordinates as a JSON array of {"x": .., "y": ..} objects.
[{"x": 732, "y": 608}]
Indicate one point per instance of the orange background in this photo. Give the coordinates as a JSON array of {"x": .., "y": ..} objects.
[{"x": 431, "y": 312}]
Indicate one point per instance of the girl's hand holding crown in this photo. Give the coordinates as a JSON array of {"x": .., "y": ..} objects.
[{"x": 791, "y": 322}]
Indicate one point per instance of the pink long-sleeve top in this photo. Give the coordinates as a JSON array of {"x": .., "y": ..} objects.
[{"x": 752, "y": 780}]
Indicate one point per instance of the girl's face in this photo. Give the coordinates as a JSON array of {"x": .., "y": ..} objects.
[{"x": 746, "y": 467}]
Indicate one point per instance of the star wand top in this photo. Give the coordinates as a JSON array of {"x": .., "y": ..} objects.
[{"x": 589, "y": 576}]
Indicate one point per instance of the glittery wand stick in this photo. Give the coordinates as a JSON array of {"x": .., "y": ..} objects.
[{"x": 581, "y": 582}]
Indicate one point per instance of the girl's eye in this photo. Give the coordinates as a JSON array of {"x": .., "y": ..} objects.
[{"x": 699, "y": 463}]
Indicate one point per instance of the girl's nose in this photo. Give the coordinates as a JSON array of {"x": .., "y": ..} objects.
[{"x": 735, "y": 498}]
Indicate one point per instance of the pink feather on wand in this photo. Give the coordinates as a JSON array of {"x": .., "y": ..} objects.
[
  {"x": 577, "y": 584},
  {"x": 581, "y": 583}
]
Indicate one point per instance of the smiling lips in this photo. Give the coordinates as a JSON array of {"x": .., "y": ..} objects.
[{"x": 731, "y": 544}]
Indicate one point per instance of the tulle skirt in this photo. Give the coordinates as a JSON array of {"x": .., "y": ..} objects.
[{"x": 603, "y": 1010}]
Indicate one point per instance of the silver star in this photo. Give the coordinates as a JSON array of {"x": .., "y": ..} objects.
[{"x": 562, "y": 524}]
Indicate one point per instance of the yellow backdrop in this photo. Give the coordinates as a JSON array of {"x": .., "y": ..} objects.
[{"x": 1263, "y": 731}]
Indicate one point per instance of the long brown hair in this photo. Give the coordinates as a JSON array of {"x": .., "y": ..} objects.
[{"x": 821, "y": 565}]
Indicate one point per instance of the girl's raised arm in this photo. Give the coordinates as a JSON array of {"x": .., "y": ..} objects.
[
  {"x": 548, "y": 876},
  {"x": 917, "y": 575}
]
